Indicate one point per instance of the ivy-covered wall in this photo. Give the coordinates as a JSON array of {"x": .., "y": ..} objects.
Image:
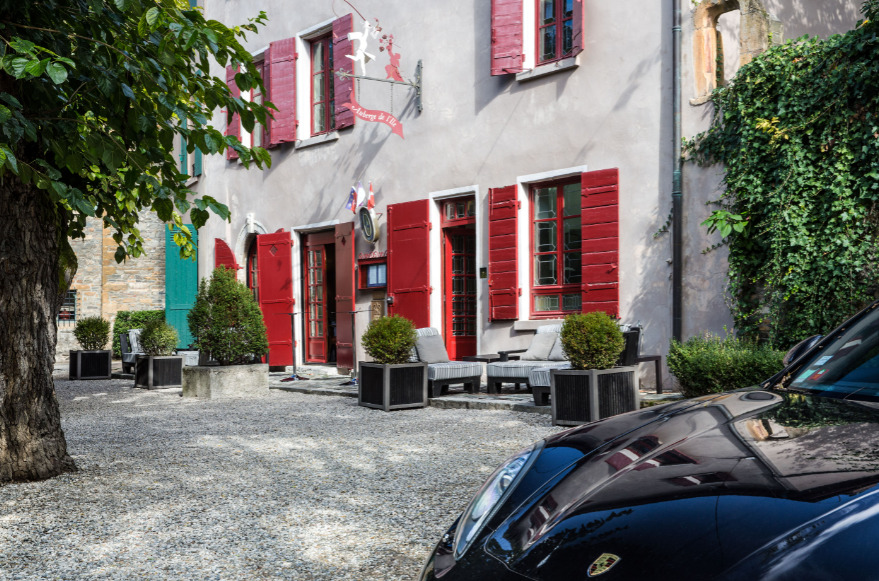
[{"x": 797, "y": 134}]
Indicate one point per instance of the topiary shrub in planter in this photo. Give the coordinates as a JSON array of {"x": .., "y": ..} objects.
[
  {"x": 92, "y": 362},
  {"x": 158, "y": 368},
  {"x": 390, "y": 381},
  {"x": 710, "y": 364},
  {"x": 593, "y": 388},
  {"x": 229, "y": 332}
]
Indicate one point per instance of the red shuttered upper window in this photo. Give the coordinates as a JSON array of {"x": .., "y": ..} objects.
[
  {"x": 552, "y": 29},
  {"x": 323, "y": 107}
]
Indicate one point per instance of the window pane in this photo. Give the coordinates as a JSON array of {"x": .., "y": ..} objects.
[
  {"x": 547, "y": 43},
  {"x": 545, "y": 270},
  {"x": 567, "y": 37},
  {"x": 317, "y": 57},
  {"x": 318, "y": 88},
  {"x": 572, "y": 302},
  {"x": 320, "y": 120},
  {"x": 569, "y": 8},
  {"x": 547, "y": 11},
  {"x": 458, "y": 265},
  {"x": 450, "y": 211},
  {"x": 471, "y": 286},
  {"x": 544, "y": 303},
  {"x": 545, "y": 202},
  {"x": 572, "y": 238},
  {"x": 572, "y": 201},
  {"x": 545, "y": 238},
  {"x": 573, "y": 274}
]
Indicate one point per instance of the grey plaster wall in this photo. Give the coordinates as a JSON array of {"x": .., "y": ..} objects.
[{"x": 613, "y": 110}]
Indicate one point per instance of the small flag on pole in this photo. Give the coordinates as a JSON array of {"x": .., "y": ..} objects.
[
  {"x": 370, "y": 201},
  {"x": 351, "y": 204},
  {"x": 361, "y": 196}
]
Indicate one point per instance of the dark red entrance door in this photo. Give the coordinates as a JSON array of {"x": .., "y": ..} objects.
[
  {"x": 409, "y": 261},
  {"x": 320, "y": 292},
  {"x": 275, "y": 281},
  {"x": 459, "y": 291}
]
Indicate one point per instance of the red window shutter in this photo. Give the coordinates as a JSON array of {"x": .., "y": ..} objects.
[
  {"x": 344, "y": 235},
  {"x": 579, "y": 27},
  {"x": 233, "y": 126},
  {"x": 601, "y": 241},
  {"x": 343, "y": 87},
  {"x": 282, "y": 90},
  {"x": 506, "y": 36},
  {"x": 409, "y": 261},
  {"x": 503, "y": 270},
  {"x": 275, "y": 279},
  {"x": 223, "y": 255}
]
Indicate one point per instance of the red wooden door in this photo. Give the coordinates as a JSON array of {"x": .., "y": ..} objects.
[
  {"x": 459, "y": 291},
  {"x": 344, "y": 272},
  {"x": 316, "y": 304},
  {"x": 275, "y": 281},
  {"x": 409, "y": 261}
]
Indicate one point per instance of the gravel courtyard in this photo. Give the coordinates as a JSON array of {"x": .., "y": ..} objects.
[{"x": 288, "y": 486}]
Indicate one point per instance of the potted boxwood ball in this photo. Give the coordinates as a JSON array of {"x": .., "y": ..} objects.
[
  {"x": 593, "y": 388},
  {"x": 231, "y": 338},
  {"x": 92, "y": 361},
  {"x": 390, "y": 381},
  {"x": 158, "y": 367}
]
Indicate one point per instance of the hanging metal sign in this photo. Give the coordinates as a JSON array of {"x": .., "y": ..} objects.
[{"x": 362, "y": 56}]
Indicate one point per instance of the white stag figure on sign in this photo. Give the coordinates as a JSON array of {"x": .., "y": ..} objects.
[{"x": 360, "y": 55}]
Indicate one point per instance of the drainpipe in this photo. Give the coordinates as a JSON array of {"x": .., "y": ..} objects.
[{"x": 676, "y": 193}]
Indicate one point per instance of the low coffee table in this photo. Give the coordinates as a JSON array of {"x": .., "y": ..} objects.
[{"x": 485, "y": 357}]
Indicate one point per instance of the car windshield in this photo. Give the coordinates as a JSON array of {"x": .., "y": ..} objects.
[{"x": 848, "y": 367}]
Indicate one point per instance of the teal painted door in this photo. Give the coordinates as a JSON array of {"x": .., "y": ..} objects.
[{"x": 181, "y": 286}]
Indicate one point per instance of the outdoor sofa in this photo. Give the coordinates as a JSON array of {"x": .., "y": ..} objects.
[{"x": 441, "y": 372}]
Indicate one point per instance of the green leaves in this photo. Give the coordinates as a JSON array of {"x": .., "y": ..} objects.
[{"x": 96, "y": 99}]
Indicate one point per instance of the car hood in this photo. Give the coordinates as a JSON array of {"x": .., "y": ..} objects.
[{"x": 688, "y": 490}]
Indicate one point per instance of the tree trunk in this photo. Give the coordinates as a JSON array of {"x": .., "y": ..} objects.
[{"x": 32, "y": 444}]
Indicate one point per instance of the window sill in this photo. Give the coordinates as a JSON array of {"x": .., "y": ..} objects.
[
  {"x": 548, "y": 69},
  {"x": 317, "y": 140},
  {"x": 192, "y": 181}
]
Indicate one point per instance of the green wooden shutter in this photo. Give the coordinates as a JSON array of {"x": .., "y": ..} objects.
[
  {"x": 183, "y": 156},
  {"x": 181, "y": 286},
  {"x": 196, "y": 163}
]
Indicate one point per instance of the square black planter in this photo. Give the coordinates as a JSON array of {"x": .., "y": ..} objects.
[
  {"x": 392, "y": 387},
  {"x": 583, "y": 396},
  {"x": 153, "y": 372},
  {"x": 91, "y": 364}
]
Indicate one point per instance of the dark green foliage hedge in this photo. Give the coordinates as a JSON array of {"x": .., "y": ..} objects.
[
  {"x": 389, "y": 339},
  {"x": 92, "y": 333},
  {"x": 226, "y": 321},
  {"x": 797, "y": 132},
  {"x": 158, "y": 338},
  {"x": 127, "y": 320},
  {"x": 709, "y": 364},
  {"x": 592, "y": 340}
]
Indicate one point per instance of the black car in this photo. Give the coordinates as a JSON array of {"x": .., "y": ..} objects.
[{"x": 773, "y": 482}]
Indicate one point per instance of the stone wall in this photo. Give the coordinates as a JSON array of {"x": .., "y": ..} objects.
[{"x": 104, "y": 287}]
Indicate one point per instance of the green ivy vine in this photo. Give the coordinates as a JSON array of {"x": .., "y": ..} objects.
[{"x": 798, "y": 133}]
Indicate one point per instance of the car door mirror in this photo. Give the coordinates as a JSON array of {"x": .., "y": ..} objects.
[{"x": 800, "y": 348}]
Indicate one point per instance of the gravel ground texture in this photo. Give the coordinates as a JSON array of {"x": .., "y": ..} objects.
[{"x": 285, "y": 486}]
